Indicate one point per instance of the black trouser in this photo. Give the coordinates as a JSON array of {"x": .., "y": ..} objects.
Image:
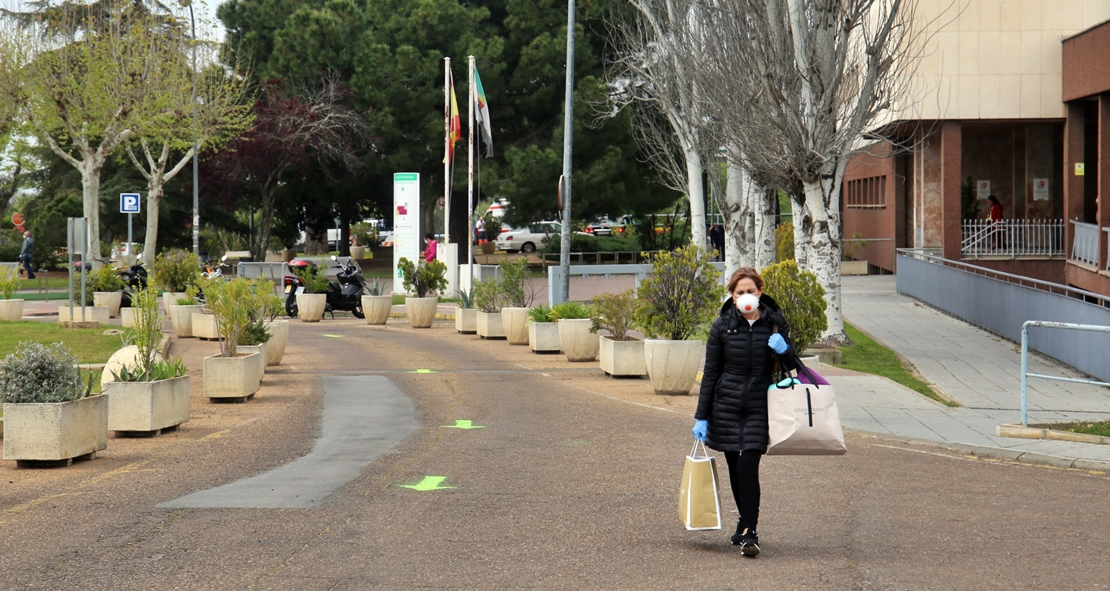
[{"x": 743, "y": 475}]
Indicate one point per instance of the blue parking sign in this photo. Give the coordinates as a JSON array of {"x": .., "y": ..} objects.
[{"x": 129, "y": 202}]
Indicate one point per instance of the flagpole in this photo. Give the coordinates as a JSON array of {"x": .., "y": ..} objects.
[
  {"x": 447, "y": 150},
  {"x": 471, "y": 95}
]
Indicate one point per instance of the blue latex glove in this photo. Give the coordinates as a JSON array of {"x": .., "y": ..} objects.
[
  {"x": 777, "y": 343},
  {"x": 701, "y": 430}
]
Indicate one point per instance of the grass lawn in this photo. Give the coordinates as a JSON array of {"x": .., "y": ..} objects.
[
  {"x": 867, "y": 356},
  {"x": 1101, "y": 429},
  {"x": 90, "y": 345},
  {"x": 56, "y": 280}
]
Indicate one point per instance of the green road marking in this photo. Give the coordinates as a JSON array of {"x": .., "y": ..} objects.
[
  {"x": 334, "y": 336},
  {"x": 423, "y": 371},
  {"x": 461, "y": 424},
  {"x": 429, "y": 483}
]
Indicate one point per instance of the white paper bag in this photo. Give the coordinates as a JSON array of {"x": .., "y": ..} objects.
[{"x": 804, "y": 421}]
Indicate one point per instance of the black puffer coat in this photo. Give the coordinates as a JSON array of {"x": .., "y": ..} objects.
[{"x": 738, "y": 366}]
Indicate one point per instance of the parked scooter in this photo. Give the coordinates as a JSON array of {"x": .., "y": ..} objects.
[
  {"x": 345, "y": 293},
  {"x": 134, "y": 278}
]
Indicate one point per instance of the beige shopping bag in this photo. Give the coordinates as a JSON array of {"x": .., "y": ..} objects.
[
  {"x": 804, "y": 421},
  {"x": 699, "y": 499}
]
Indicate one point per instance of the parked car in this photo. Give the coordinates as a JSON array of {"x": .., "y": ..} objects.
[
  {"x": 603, "y": 226},
  {"x": 530, "y": 238}
]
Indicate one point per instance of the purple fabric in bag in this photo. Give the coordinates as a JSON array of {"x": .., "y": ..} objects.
[{"x": 803, "y": 378}]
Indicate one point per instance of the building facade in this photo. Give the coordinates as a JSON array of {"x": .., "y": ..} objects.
[{"x": 1012, "y": 99}]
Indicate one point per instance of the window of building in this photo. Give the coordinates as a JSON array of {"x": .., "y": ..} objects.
[{"x": 868, "y": 193}]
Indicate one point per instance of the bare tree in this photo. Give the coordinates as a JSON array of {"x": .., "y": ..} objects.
[
  {"x": 799, "y": 82},
  {"x": 650, "y": 71}
]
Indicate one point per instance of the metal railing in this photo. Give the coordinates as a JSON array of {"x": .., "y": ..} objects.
[
  {"x": 598, "y": 258},
  {"x": 1084, "y": 248},
  {"x": 1012, "y": 238},
  {"x": 1025, "y": 375},
  {"x": 1001, "y": 302},
  {"x": 1107, "y": 230}
]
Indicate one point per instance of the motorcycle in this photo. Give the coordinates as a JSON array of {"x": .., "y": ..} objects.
[
  {"x": 134, "y": 278},
  {"x": 345, "y": 293}
]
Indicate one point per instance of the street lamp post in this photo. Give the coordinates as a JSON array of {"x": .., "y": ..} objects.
[{"x": 196, "y": 171}]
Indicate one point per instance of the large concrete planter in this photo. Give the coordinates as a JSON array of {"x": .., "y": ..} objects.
[
  {"x": 421, "y": 311},
  {"x": 260, "y": 360},
  {"x": 169, "y": 298},
  {"x": 489, "y": 325},
  {"x": 672, "y": 365},
  {"x": 182, "y": 319},
  {"x": 579, "y": 344},
  {"x": 543, "y": 337},
  {"x": 230, "y": 377},
  {"x": 466, "y": 320},
  {"x": 56, "y": 431},
  {"x": 204, "y": 326},
  {"x": 279, "y": 337},
  {"x": 622, "y": 359},
  {"x": 853, "y": 267},
  {"x": 358, "y": 252},
  {"x": 147, "y": 406},
  {"x": 109, "y": 299},
  {"x": 95, "y": 314},
  {"x": 11, "y": 310},
  {"x": 127, "y": 317},
  {"x": 515, "y": 323},
  {"x": 377, "y": 308},
  {"x": 310, "y": 306}
]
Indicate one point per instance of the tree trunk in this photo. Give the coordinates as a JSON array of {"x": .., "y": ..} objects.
[
  {"x": 696, "y": 191},
  {"x": 153, "y": 206},
  {"x": 764, "y": 225},
  {"x": 825, "y": 246},
  {"x": 90, "y": 202},
  {"x": 801, "y": 244},
  {"x": 732, "y": 209},
  {"x": 265, "y": 226}
]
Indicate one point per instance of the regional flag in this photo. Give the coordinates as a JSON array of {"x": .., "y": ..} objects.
[
  {"x": 455, "y": 124},
  {"x": 483, "y": 114}
]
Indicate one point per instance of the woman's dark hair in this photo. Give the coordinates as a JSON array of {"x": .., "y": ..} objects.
[
  {"x": 745, "y": 273},
  {"x": 993, "y": 200},
  {"x": 429, "y": 236}
]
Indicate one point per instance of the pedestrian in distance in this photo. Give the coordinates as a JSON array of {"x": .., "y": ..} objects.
[
  {"x": 717, "y": 240},
  {"x": 480, "y": 231},
  {"x": 27, "y": 252},
  {"x": 745, "y": 341},
  {"x": 995, "y": 215},
  {"x": 430, "y": 251}
]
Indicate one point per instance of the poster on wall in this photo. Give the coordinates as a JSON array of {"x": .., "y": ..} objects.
[
  {"x": 406, "y": 222},
  {"x": 982, "y": 189},
  {"x": 1040, "y": 189}
]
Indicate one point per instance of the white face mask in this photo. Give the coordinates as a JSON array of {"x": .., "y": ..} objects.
[{"x": 747, "y": 303}]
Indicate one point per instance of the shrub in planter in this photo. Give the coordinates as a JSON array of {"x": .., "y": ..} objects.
[
  {"x": 176, "y": 269},
  {"x": 515, "y": 290},
  {"x": 466, "y": 316},
  {"x": 543, "y": 331},
  {"x": 487, "y": 296},
  {"x": 231, "y": 374},
  {"x": 365, "y": 234},
  {"x": 9, "y": 284},
  {"x": 576, "y": 340},
  {"x": 613, "y": 313},
  {"x": 681, "y": 293},
  {"x": 422, "y": 278},
  {"x": 42, "y": 373},
  {"x": 802, "y": 300}
]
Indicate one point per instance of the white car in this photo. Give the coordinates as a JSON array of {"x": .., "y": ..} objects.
[{"x": 530, "y": 238}]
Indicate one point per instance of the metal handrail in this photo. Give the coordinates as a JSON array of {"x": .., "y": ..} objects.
[
  {"x": 1045, "y": 286},
  {"x": 1025, "y": 375},
  {"x": 1082, "y": 242}
]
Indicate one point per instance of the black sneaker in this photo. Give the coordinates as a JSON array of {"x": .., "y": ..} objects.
[
  {"x": 738, "y": 537},
  {"x": 749, "y": 544}
]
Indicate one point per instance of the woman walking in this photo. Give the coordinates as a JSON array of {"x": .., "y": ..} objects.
[{"x": 732, "y": 407}]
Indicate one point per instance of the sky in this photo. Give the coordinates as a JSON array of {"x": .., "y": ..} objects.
[{"x": 208, "y": 26}]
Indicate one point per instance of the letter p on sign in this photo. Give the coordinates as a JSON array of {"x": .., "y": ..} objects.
[{"x": 129, "y": 203}]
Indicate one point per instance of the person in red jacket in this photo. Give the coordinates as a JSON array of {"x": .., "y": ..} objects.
[
  {"x": 996, "y": 220},
  {"x": 430, "y": 251}
]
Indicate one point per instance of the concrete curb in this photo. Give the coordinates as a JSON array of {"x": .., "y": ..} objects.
[
  {"x": 1046, "y": 432},
  {"x": 997, "y": 453}
]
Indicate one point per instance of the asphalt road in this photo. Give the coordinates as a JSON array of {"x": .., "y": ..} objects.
[{"x": 570, "y": 483}]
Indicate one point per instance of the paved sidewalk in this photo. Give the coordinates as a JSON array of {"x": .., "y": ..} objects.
[{"x": 979, "y": 369}]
